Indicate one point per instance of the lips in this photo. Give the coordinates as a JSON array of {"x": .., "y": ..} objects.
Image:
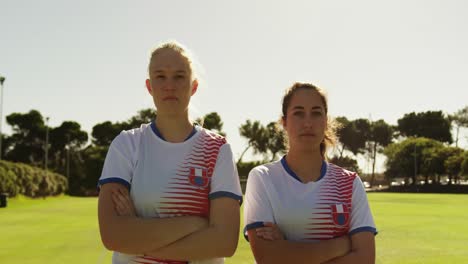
[{"x": 170, "y": 98}]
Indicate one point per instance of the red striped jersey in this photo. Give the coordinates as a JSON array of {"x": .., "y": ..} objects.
[
  {"x": 171, "y": 179},
  {"x": 334, "y": 205}
]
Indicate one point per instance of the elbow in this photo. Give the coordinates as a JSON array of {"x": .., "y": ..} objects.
[
  {"x": 262, "y": 259},
  {"x": 364, "y": 257},
  {"x": 226, "y": 241},
  {"x": 229, "y": 248},
  {"x": 109, "y": 241},
  {"x": 271, "y": 257},
  {"x": 114, "y": 244}
]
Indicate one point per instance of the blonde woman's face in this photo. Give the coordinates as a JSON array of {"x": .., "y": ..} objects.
[
  {"x": 170, "y": 82},
  {"x": 306, "y": 120}
]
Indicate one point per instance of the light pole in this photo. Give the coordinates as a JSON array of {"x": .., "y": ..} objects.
[
  {"x": 67, "y": 147},
  {"x": 415, "y": 163},
  {"x": 2, "y": 80},
  {"x": 46, "y": 145}
]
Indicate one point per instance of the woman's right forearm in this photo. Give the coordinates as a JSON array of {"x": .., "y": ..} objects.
[{"x": 133, "y": 235}]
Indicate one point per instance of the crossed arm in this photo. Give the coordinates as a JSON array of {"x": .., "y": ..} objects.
[
  {"x": 362, "y": 250},
  {"x": 177, "y": 238},
  {"x": 268, "y": 246}
]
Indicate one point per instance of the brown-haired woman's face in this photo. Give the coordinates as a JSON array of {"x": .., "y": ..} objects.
[{"x": 305, "y": 121}]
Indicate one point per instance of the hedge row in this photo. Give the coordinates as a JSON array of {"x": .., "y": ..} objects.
[
  {"x": 243, "y": 168},
  {"x": 19, "y": 178}
]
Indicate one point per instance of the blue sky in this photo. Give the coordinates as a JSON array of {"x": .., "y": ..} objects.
[{"x": 86, "y": 60}]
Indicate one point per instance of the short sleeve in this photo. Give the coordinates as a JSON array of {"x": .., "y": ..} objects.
[
  {"x": 257, "y": 207},
  {"x": 119, "y": 162},
  {"x": 361, "y": 216},
  {"x": 225, "y": 179}
]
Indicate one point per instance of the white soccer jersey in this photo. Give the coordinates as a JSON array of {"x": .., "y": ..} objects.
[
  {"x": 334, "y": 205},
  {"x": 171, "y": 179}
]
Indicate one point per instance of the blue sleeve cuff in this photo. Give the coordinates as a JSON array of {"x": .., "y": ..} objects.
[
  {"x": 225, "y": 194},
  {"x": 253, "y": 225},
  {"x": 114, "y": 180},
  {"x": 363, "y": 229}
]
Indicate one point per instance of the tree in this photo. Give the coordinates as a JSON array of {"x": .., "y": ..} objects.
[
  {"x": 143, "y": 116},
  {"x": 353, "y": 135},
  {"x": 256, "y": 137},
  {"x": 275, "y": 140},
  {"x": 65, "y": 139},
  {"x": 432, "y": 159},
  {"x": 344, "y": 133},
  {"x": 93, "y": 157},
  {"x": 28, "y": 138},
  {"x": 464, "y": 164},
  {"x": 406, "y": 159},
  {"x": 104, "y": 133},
  {"x": 453, "y": 164},
  {"x": 346, "y": 163},
  {"x": 430, "y": 124},
  {"x": 381, "y": 135},
  {"x": 7, "y": 144},
  {"x": 212, "y": 121},
  {"x": 460, "y": 119},
  {"x": 68, "y": 133}
]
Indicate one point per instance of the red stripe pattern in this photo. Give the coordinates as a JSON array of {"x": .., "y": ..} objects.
[
  {"x": 336, "y": 192},
  {"x": 188, "y": 190},
  {"x": 150, "y": 260}
]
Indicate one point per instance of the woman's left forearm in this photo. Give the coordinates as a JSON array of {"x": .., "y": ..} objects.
[
  {"x": 218, "y": 239},
  {"x": 211, "y": 242},
  {"x": 362, "y": 250}
]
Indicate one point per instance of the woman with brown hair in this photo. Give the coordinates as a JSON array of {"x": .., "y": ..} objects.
[{"x": 302, "y": 209}]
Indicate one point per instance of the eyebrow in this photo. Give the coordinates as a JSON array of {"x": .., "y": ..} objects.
[
  {"x": 178, "y": 71},
  {"x": 302, "y": 108}
]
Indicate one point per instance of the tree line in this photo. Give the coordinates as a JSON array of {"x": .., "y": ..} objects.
[{"x": 420, "y": 145}]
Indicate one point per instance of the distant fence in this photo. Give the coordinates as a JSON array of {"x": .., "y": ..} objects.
[{"x": 429, "y": 188}]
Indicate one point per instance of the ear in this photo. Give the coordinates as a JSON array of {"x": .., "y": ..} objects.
[
  {"x": 148, "y": 86},
  {"x": 194, "y": 86},
  {"x": 283, "y": 122}
]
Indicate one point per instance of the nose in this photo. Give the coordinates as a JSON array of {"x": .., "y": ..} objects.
[
  {"x": 169, "y": 85},
  {"x": 308, "y": 121}
]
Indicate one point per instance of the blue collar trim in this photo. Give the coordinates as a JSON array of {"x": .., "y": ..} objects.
[
  {"x": 158, "y": 133},
  {"x": 323, "y": 170}
]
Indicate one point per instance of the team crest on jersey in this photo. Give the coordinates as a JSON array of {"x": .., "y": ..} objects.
[
  {"x": 340, "y": 213},
  {"x": 199, "y": 177}
]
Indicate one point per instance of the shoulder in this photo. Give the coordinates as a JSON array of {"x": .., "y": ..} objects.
[
  {"x": 129, "y": 138},
  {"x": 340, "y": 172},
  {"x": 212, "y": 137},
  {"x": 267, "y": 170}
]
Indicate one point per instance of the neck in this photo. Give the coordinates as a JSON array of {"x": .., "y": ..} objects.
[
  {"x": 174, "y": 128},
  {"x": 306, "y": 164}
]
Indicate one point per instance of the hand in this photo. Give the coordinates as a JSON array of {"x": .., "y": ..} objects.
[
  {"x": 270, "y": 232},
  {"x": 123, "y": 204}
]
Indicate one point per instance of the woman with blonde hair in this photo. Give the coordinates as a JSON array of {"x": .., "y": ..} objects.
[{"x": 169, "y": 190}]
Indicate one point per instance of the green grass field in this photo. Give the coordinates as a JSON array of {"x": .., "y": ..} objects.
[{"x": 413, "y": 228}]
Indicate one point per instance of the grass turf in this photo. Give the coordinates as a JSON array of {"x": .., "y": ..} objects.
[{"x": 413, "y": 228}]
